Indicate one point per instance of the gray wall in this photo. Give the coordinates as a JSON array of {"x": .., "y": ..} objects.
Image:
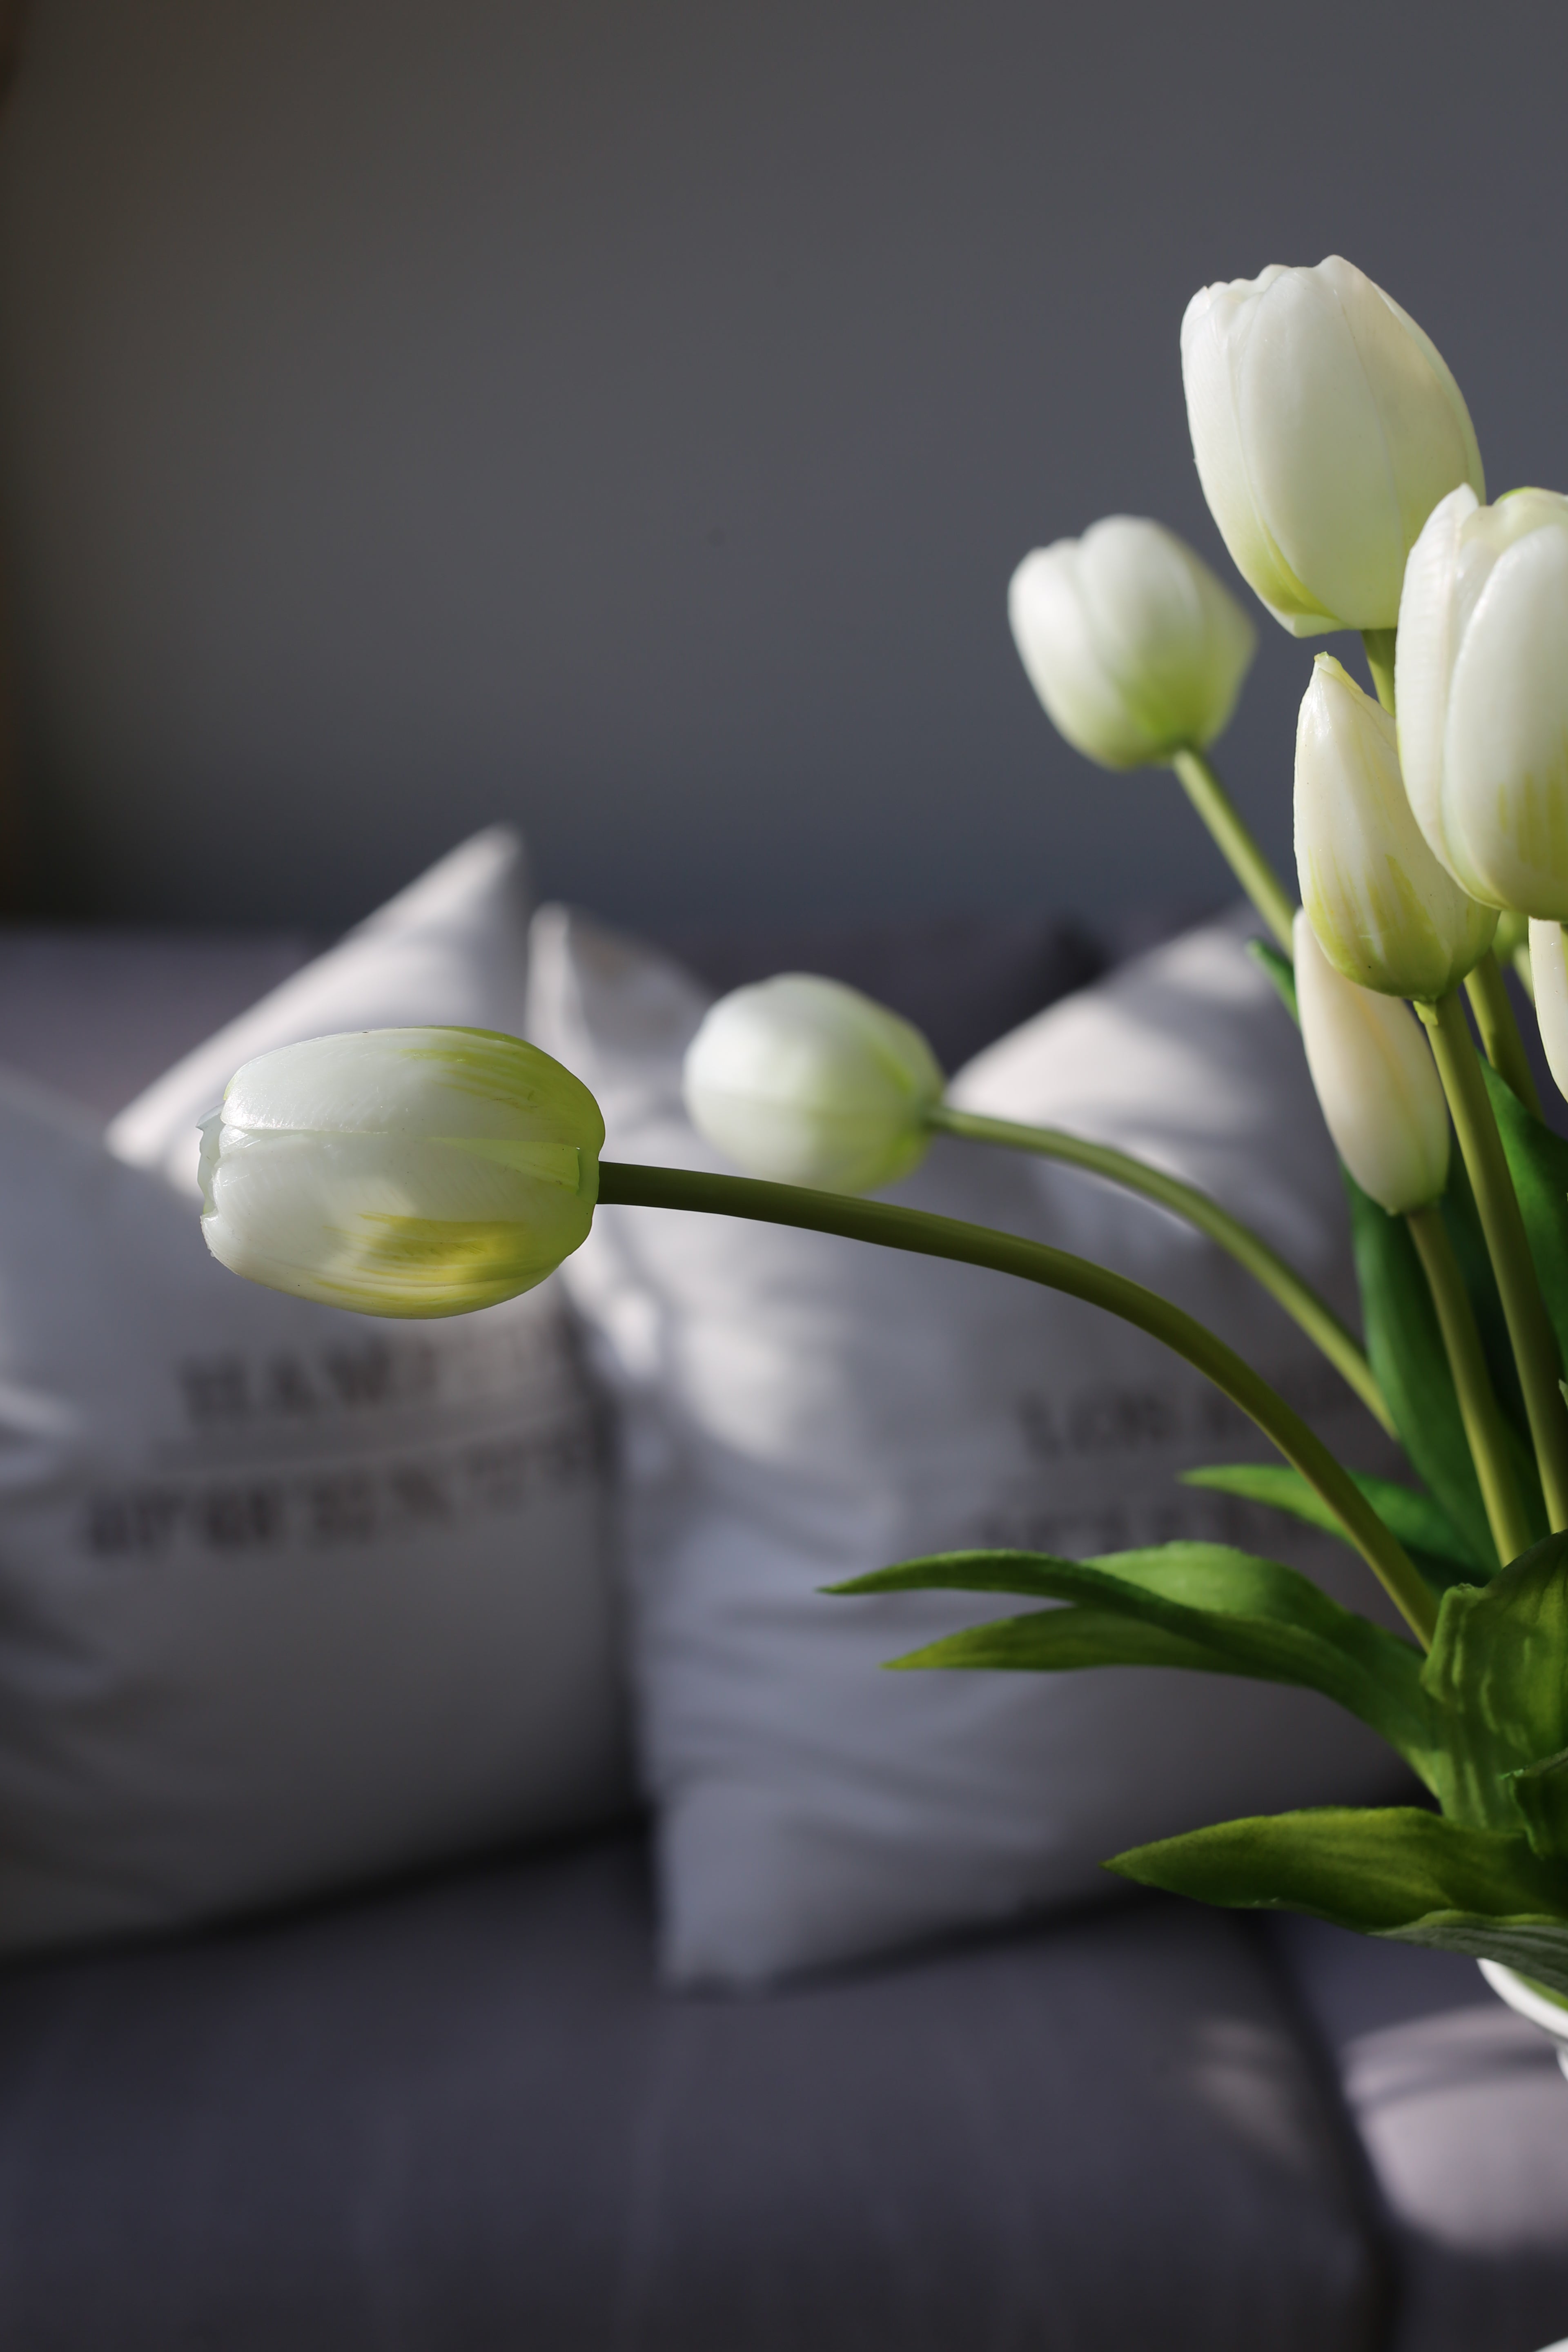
[{"x": 625, "y": 416}]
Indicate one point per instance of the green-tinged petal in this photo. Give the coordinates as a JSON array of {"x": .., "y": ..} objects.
[{"x": 409, "y": 1172}]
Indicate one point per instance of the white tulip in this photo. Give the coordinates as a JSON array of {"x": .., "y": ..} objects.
[
  {"x": 1385, "y": 913},
  {"x": 1131, "y": 644},
  {"x": 400, "y": 1172},
  {"x": 1380, "y": 1097},
  {"x": 1549, "y": 973},
  {"x": 808, "y": 1082},
  {"x": 1482, "y": 682},
  {"x": 1326, "y": 428}
]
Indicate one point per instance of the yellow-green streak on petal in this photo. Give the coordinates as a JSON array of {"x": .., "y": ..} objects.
[
  {"x": 498, "y": 1069},
  {"x": 1390, "y": 923},
  {"x": 552, "y": 1163},
  {"x": 431, "y": 1265},
  {"x": 1533, "y": 817}
]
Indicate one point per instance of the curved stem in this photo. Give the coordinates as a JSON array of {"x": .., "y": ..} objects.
[
  {"x": 1524, "y": 1310},
  {"x": 1236, "y": 842},
  {"x": 1488, "y": 992},
  {"x": 948, "y": 1237},
  {"x": 1478, "y": 1406},
  {"x": 1379, "y": 645},
  {"x": 1315, "y": 1317}
]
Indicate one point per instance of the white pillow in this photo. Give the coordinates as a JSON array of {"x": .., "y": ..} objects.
[
  {"x": 801, "y": 1409},
  {"x": 288, "y": 1597}
]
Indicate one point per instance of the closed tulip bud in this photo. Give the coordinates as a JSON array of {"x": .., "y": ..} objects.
[
  {"x": 1326, "y": 428},
  {"x": 1380, "y": 1097},
  {"x": 1130, "y": 641},
  {"x": 808, "y": 1082},
  {"x": 1385, "y": 913},
  {"x": 1482, "y": 678},
  {"x": 1549, "y": 975},
  {"x": 400, "y": 1172}
]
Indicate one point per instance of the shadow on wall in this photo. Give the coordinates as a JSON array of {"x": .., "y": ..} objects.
[{"x": 626, "y": 420}]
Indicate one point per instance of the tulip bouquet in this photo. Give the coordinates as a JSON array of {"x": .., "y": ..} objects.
[{"x": 429, "y": 1172}]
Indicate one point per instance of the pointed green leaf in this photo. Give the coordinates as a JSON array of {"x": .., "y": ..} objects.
[
  {"x": 1540, "y": 1792},
  {"x": 1498, "y": 1677},
  {"x": 1538, "y": 1161},
  {"x": 1395, "y": 1871},
  {"x": 1039, "y": 1575},
  {"x": 1417, "y": 1519},
  {"x": 1059, "y": 1641},
  {"x": 1404, "y": 1348},
  {"x": 1211, "y": 1607}
]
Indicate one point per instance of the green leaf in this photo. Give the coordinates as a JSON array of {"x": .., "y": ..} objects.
[
  {"x": 1539, "y": 1793},
  {"x": 1417, "y": 1519},
  {"x": 1394, "y": 1872},
  {"x": 1498, "y": 1680},
  {"x": 1184, "y": 1604},
  {"x": 1405, "y": 1349},
  {"x": 1059, "y": 1641},
  {"x": 1281, "y": 971},
  {"x": 1538, "y": 1161}
]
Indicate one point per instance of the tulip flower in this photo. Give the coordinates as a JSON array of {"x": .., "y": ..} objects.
[
  {"x": 400, "y": 1172},
  {"x": 1376, "y": 1080},
  {"x": 1385, "y": 913},
  {"x": 808, "y": 1082},
  {"x": 1131, "y": 644},
  {"x": 1482, "y": 678},
  {"x": 1326, "y": 428}
]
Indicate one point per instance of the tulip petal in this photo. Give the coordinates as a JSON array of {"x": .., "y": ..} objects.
[
  {"x": 1505, "y": 749},
  {"x": 1374, "y": 1074},
  {"x": 1214, "y": 334},
  {"x": 1385, "y": 912},
  {"x": 1064, "y": 663},
  {"x": 804, "y": 1081},
  {"x": 1424, "y": 663}
]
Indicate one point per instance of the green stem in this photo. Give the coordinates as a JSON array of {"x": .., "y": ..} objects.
[
  {"x": 947, "y": 1238},
  {"x": 1315, "y": 1317},
  {"x": 1246, "y": 860},
  {"x": 1379, "y": 644},
  {"x": 1490, "y": 1001},
  {"x": 1478, "y": 1406},
  {"x": 1524, "y": 1310}
]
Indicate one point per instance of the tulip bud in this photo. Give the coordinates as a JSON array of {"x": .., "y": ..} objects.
[
  {"x": 1549, "y": 973},
  {"x": 808, "y": 1082},
  {"x": 1380, "y": 1097},
  {"x": 400, "y": 1172},
  {"x": 1326, "y": 428},
  {"x": 1130, "y": 641},
  {"x": 1385, "y": 913},
  {"x": 1482, "y": 677}
]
